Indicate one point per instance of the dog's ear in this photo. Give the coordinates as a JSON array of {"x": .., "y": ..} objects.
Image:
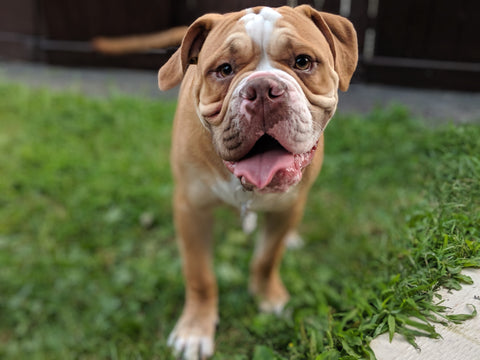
[
  {"x": 341, "y": 37},
  {"x": 171, "y": 74}
]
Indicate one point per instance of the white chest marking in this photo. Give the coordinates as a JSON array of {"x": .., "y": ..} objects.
[
  {"x": 232, "y": 193},
  {"x": 260, "y": 27}
]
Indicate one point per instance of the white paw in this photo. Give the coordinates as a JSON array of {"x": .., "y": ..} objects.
[
  {"x": 191, "y": 347},
  {"x": 294, "y": 240},
  {"x": 270, "y": 307},
  {"x": 272, "y": 297},
  {"x": 193, "y": 337}
]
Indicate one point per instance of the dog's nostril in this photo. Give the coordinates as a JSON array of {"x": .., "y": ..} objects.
[
  {"x": 263, "y": 89},
  {"x": 275, "y": 92},
  {"x": 249, "y": 93}
]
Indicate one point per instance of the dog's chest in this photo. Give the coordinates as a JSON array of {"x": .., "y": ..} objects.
[{"x": 232, "y": 193}]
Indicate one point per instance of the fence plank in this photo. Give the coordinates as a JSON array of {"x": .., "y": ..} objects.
[{"x": 436, "y": 32}]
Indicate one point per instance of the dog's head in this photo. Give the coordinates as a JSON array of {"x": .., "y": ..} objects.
[{"x": 265, "y": 86}]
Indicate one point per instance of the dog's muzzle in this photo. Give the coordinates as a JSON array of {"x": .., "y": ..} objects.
[{"x": 275, "y": 126}]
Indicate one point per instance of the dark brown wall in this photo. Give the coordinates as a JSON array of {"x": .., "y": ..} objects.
[
  {"x": 18, "y": 23},
  {"x": 433, "y": 43}
]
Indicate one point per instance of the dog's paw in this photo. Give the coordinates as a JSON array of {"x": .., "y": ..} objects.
[
  {"x": 272, "y": 295},
  {"x": 294, "y": 240},
  {"x": 274, "y": 304},
  {"x": 191, "y": 347},
  {"x": 193, "y": 338}
]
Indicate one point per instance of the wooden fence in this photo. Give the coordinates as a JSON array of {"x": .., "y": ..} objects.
[{"x": 423, "y": 43}]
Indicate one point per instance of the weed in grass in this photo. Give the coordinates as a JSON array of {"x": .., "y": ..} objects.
[{"x": 89, "y": 266}]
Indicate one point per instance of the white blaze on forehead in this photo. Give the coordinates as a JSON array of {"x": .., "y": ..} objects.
[{"x": 260, "y": 27}]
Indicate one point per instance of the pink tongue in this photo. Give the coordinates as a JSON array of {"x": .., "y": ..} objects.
[{"x": 260, "y": 169}]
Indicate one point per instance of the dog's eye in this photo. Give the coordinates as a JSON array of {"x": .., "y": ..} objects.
[
  {"x": 303, "y": 63},
  {"x": 225, "y": 70}
]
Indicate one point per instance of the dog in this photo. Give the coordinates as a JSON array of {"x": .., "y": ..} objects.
[{"x": 258, "y": 88}]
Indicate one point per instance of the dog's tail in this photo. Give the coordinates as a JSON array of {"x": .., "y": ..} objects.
[{"x": 139, "y": 43}]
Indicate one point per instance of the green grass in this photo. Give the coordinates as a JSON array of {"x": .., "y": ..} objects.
[{"x": 89, "y": 266}]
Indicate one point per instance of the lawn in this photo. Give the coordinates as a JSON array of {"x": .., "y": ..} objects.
[{"x": 89, "y": 267}]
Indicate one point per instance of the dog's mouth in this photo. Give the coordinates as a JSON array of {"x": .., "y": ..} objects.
[{"x": 269, "y": 167}]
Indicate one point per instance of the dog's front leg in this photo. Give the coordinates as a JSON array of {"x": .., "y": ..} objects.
[
  {"x": 265, "y": 281},
  {"x": 193, "y": 336}
]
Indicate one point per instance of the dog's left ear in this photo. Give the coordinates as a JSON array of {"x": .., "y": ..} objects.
[
  {"x": 341, "y": 37},
  {"x": 171, "y": 74}
]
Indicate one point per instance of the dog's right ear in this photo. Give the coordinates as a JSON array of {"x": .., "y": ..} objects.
[{"x": 171, "y": 74}]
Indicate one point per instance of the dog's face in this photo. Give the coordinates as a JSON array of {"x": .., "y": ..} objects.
[{"x": 266, "y": 88}]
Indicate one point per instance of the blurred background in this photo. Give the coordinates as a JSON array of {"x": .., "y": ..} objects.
[{"x": 419, "y": 43}]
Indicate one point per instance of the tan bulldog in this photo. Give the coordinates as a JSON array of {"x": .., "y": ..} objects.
[{"x": 259, "y": 87}]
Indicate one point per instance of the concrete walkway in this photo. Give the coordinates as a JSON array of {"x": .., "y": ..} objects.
[
  {"x": 459, "y": 342},
  {"x": 435, "y": 106}
]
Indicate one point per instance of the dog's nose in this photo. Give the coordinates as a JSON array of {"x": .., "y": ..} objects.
[{"x": 261, "y": 89}]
